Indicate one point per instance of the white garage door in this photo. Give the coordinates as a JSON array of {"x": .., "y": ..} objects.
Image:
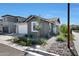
[{"x": 22, "y": 29}]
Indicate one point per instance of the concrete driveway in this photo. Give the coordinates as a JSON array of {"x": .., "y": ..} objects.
[
  {"x": 5, "y": 37},
  {"x": 76, "y": 42}
]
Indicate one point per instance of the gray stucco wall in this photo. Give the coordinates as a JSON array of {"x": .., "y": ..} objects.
[
  {"x": 45, "y": 28},
  {"x": 42, "y": 32}
]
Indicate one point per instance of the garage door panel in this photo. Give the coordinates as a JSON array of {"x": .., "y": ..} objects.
[{"x": 22, "y": 29}]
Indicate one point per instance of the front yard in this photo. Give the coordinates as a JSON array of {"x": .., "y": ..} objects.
[
  {"x": 52, "y": 45},
  {"x": 57, "y": 45}
]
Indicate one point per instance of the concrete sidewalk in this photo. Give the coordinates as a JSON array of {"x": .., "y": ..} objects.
[{"x": 76, "y": 42}]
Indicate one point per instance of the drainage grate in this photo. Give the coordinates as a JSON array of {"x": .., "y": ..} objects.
[{"x": 39, "y": 52}]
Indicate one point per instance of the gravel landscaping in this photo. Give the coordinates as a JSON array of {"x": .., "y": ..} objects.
[{"x": 60, "y": 48}]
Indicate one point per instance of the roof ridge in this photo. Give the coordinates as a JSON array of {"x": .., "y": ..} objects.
[{"x": 12, "y": 15}]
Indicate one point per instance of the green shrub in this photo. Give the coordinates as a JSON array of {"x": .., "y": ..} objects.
[
  {"x": 41, "y": 42},
  {"x": 61, "y": 38},
  {"x": 23, "y": 43},
  {"x": 23, "y": 39},
  {"x": 64, "y": 29},
  {"x": 28, "y": 41}
]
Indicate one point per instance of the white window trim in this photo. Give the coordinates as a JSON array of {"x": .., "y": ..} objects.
[{"x": 32, "y": 26}]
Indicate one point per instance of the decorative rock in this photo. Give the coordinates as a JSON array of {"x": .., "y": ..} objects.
[{"x": 59, "y": 48}]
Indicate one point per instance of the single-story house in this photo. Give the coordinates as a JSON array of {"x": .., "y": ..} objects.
[{"x": 32, "y": 25}]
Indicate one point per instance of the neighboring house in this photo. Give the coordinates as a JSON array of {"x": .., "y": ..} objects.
[
  {"x": 28, "y": 26},
  {"x": 1, "y": 25},
  {"x": 9, "y": 23}
]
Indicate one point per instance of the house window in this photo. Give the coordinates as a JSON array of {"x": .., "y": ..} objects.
[
  {"x": 55, "y": 29},
  {"x": 33, "y": 25}
]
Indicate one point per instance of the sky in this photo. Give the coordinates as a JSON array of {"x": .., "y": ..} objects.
[{"x": 45, "y": 10}]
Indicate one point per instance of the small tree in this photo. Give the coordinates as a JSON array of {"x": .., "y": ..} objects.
[{"x": 64, "y": 29}]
